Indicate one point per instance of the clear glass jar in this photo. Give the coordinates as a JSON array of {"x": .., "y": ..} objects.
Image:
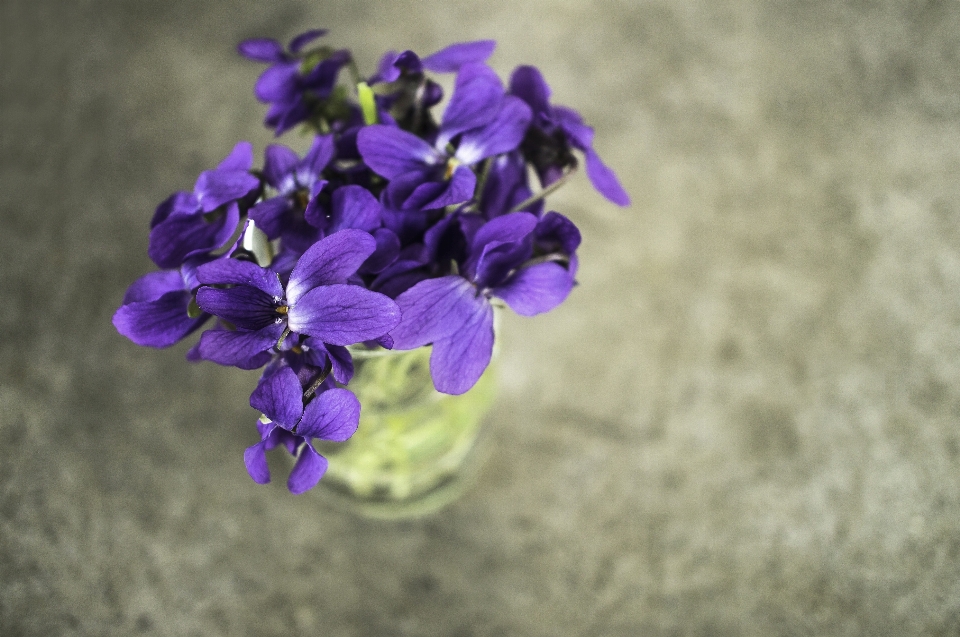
[{"x": 416, "y": 449}]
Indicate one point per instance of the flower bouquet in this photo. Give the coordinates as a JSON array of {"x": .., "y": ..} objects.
[{"x": 393, "y": 239}]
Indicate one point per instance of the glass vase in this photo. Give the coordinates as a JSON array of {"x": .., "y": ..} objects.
[{"x": 416, "y": 449}]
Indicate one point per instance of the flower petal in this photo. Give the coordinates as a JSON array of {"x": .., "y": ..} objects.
[
  {"x": 255, "y": 459},
  {"x": 153, "y": 285},
  {"x": 307, "y": 472},
  {"x": 355, "y": 207},
  {"x": 246, "y": 307},
  {"x": 215, "y": 188},
  {"x": 527, "y": 83},
  {"x": 234, "y": 271},
  {"x": 476, "y": 99},
  {"x": 331, "y": 260},
  {"x": 333, "y": 415},
  {"x": 305, "y": 38},
  {"x": 451, "y": 58},
  {"x": 278, "y": 162},
  {"x": 501, "y": 135},
  {"x": 240, "y": 158},
  {"x": 605, "y": 180},
  {"x": 536, "y": 289},
  {"x": 158, "y": 323},
  {"x": 181, "y": 235},
  {"x": 321, "y": 152},
  {"x": 390, "y": 152},
  {"x": 270, "y": 215},
  {"x": 261, "y": 50},
  {"x": 243, "y": 349},
  {"x": 434, "y": 309},
  {"x": 343, "y": 314},
  {"x": 279, "y": 397},
  {"x": 278, "y": 83},
  {"x": 505, "y": 229},
  {"x": 458, "y": 361},
  {"x": 388, "y": 249}
]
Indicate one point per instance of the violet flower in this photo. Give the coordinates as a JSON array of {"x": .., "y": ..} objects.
[
  {"x": 455, "y": 313},
  {"x": 295, "y": 181},
  {"x": 317, "y": 301},
  {"x": 422, "y": 176},
  {"x": 292, "y": 93},
  {"x": 332, "y": 414},
  {"x": 557, "y": 129},
  {"x": 192, "y": 223}
]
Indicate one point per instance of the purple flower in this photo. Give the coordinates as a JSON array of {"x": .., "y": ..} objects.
[
  {"x": 480, "y": 118},
  {"x": 192, "y": 223},
  {"x": 291, "y": 92},
  {"x": 296, "y": 181},
  {"x": 454, "y": 312},
  {"x": 555, "y": 130},
  {"x": 332, "y": 414},
  {"x": 317, "y": 301}
]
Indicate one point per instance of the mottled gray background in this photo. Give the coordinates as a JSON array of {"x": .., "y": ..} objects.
[{"x": 743, "y": 422}]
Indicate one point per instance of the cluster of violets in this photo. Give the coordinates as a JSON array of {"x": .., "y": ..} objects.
[{"x": 395, "y": 230}]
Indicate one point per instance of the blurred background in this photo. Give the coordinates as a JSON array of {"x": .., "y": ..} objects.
[{"x": 742, "y": 422}]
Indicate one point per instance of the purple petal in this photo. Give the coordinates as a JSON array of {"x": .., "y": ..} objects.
[
  {"x": 355, "y": 207},
  {"x": 399, "y": 277},
  {"x": 243, "y": 349},
  {"x": 279, "y": 397},
  {"x": 605, "y": 180},
  {"x": 390, "y": 152},
  {"x": 178, "y": 202},
  {"x": 217, "y": 187},
  {"x": 279, "y": 161},
  {"x": 451, "y": 58},
  {"x": 278, "y": 83},
  {"x": 236, "y": 272},
  {"x": 388, "y": 249},
  {"x": 536, "y": 289},
  {"x": 386, "y": 70},
  {"x": 158, "y": 323},
  {"x": 501, "y": 135},
  {"x": 497, "y": 261},
  {"x": 556, "y": 233},
  {"x": 458, "y": 361},
  {"x": 323, "y": 77},
  {"x": 261, "y": 50},
  {"x": 333, "y": 415},
  {"x": 320, "y": 154},
  {"x": 305, "y": 38},
  {"x": 182, "y": 235},
  {"x": 307, "y": 472},
  {"x": 343, "y": 314},
  {"x": 318, "y": 353},
  {"x": 255, "y": 459},
  {"x": 476, "y": 99},
  {"x": 240, "y": 158},
  {"x": 528, "y": 84},
  {"x": 505, "y": 229},
  {"x": 506, "y": 185},
  {"x": 270, "y": 215},
  {"x": 246, "y": 307},
  {"x": 581, "y": 135},
  {"x": 153, "y": 285},
  {"x": 331, "y": 260},
  {"x": 432, "y": 195},
  {"x": 434, "y": 309}
]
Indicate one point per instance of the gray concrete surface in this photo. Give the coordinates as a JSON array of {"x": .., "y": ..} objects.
[{"x": 743, "y": 422}]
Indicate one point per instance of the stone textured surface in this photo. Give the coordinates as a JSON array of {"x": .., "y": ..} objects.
[{"x": 743, "y": 422}]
